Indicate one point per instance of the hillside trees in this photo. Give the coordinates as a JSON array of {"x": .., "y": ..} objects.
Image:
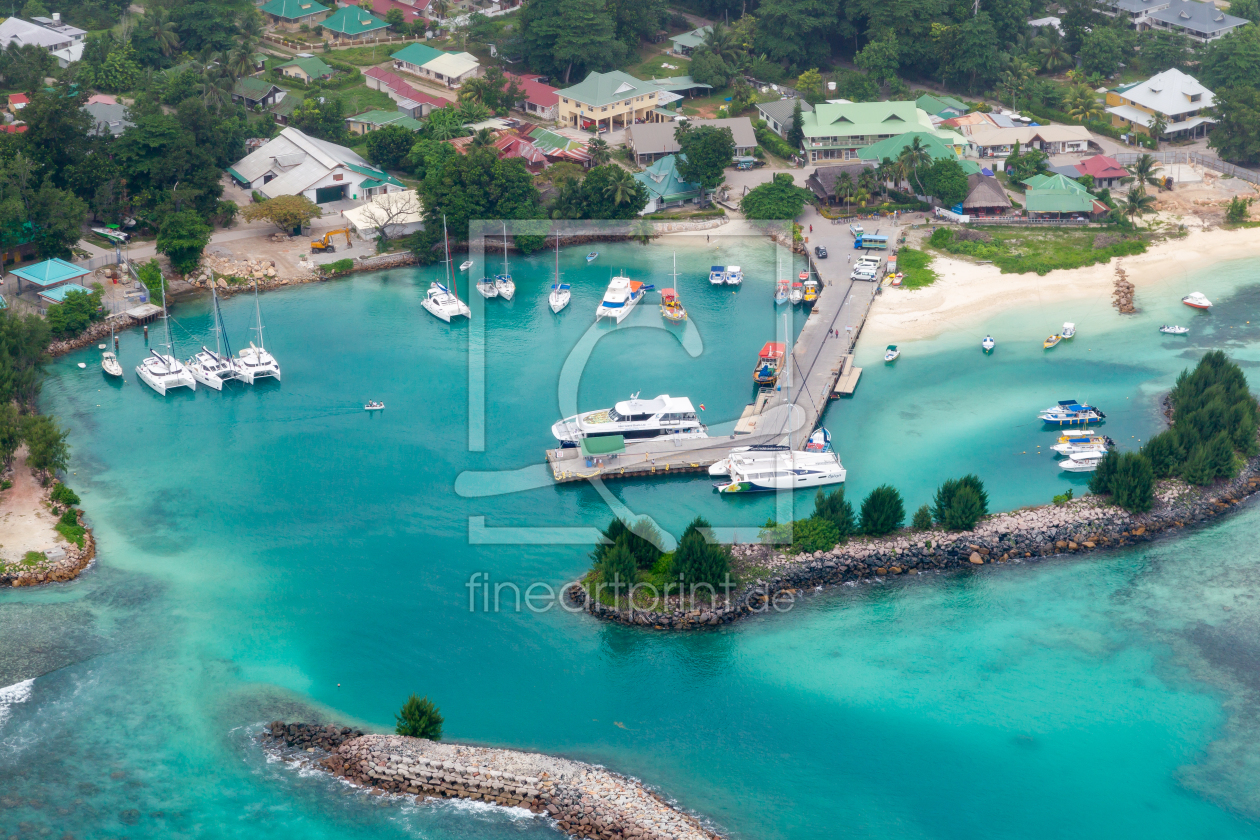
[{"x": 569, "y": 38}]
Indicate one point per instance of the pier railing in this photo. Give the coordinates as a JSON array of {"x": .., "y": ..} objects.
[{"x": 1197, "y": 158}]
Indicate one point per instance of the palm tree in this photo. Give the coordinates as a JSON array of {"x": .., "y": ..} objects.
[
  {"x": 1084, "y": 105},
  {"x": 1138, "y": 203},
  {"x": 620, "y": 187},
  {"x": 869, "y": 180},
  {"x": 440, "y": 8},
  {"x": 240, "y": 61},
  {"x": 599, "y": 151},
  {"x": 1156, "y": 128},
  {"x": 159, "y": 26},
  {"x": 845, "y": 188},
  {"x": 1051, "y": 50},
  {"x": 216, "y": 88},
  {"x": 484, "y": 137},
  {"x": 721, "y": 41},
  {"x": 912, "y": 157},
  {"x": 474, "y": 90},
  {"x": 474, "y": 112},
  {"x": 1143, "y": 170}
]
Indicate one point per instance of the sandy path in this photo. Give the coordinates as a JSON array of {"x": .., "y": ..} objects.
[{"x": 25, "y": 523}]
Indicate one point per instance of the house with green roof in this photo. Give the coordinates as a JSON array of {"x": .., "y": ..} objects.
[
  {"x": 606, "y": 101},
  {"x": 1053, "y": 196},
  {"x": 687, "y": 42},
  {"x": 252, "y": 91},
  {"x": 290, "y": 14},
  {"x": 350, "y": 23},
  {"x": 839, "y": 131},
  {"x": 665, "y": 188},
  {"x": 944, "y": 107},
  {"x": 49, "y": 274},
  {"x": 450, "y": 69},
  {"x": 938, "y": 147},
  {"x": 306, "y": 70},
  {"x": 372, "y": 120}
]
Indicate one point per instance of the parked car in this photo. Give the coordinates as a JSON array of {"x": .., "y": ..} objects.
[{"x": 820, "y": 252}]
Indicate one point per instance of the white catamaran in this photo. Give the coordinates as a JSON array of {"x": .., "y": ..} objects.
[
  {"x": 163, "y": 372},
  {"x": 440, "y": 301},
  {"x": 214, "y": 367},
  {"x": 256, "y": 363},
  {"x": 558, "y": 298},
  {"x": 633, "y": 419},
  {"x": 760, "y": 470}
]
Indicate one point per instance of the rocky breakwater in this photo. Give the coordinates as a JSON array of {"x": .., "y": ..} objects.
[
  {"x": 55, "y": 565},
  {"x": 584, "y": 800},
  {"x": 1076, "y": 527},
  {"x": 229, "y": 275}
]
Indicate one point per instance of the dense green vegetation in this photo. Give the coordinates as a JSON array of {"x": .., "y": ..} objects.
[
  {"x": 631, "y": 557},
  {"x": 914, "y": 265},
  {"x": 1018, "y": 250},
  {"x": 76, "y": 311},
  {"x": 780, "y": 198},
  {"x": 419, "y": 718},
  {"x": 882, "y": 512},
  {"x": 960, "y": 503}
]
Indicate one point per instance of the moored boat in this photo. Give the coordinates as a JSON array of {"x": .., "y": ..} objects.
[
  {"x": 1173, "y": 329},
  {"x": 891, "y": 354},
  {"x": 819, "y": 441},
  {"x": 1069, "y": 330},
  {"x": 762, "y": 471},
  {"x": 503, "y": 282},
  {"x": 373, "y": 405},
  {"x": 1082, "y": 461},
  {"x": 734, "y": 275},
  {"x": 988, "y": 344},
  {"x": 439, "y": 301},
  {"x": 1071, "y": 413},
  {"x": 811, "y": 292},
  {"x": 1051, "y": 341},
  {"x": 163, "y": 372},
  {"x": 769, "y": 363},
  {"x": 1197, "y": 300},
  {"x": 623, "y": 295},
  {"x": 782, "y": 292},
  {"x": 485, "y": 286},
  {"x": 109, "y": 363},
  {"x": 633, "y": 419},
  {"x": 798, "y": 292},
  {"x": 558, "y": 297},
  {"x": 717, "y": 275},
  {"x": 671, "y": 308},
  {"x": 465, "y": 265},
  {"x": 592, "y": 255}
]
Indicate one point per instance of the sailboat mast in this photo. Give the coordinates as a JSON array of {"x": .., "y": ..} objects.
[
  {"x": 218, "y": 325},
  {"x": 505, "y": 265},
  {"x": 262, "y": 345},
  {"x": 450, "y": 276},
  {"x": 166, "y": 323}
]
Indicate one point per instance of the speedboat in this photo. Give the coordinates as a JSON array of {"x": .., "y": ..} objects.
[
  {"x": 623, "y": 295},
  {"x": 734, "y": 276},
  {"x": 1082, "y": 461},
  {"x": 769, "y": 363},
  {"x": 1069, "y": 330},
  {"x": 819, "y": 441},
  {"x": 633, "y": 419},
  {"x": 256, "y": 363},
  {"x": 896, "y": 279},
  {"x": 988, "y": 344},
  {"x": 1197, "y": 300},
  {"x": 798, "y": 292},
  {"x": 464, "y": 266},
  {"x": 811, "y": 292},
  {"x": 1082, "y": 441},
  {"x": 373, "y": 405},
  {"x": 558, "y": 297},
  {"x": 592, "y": 255},
  {"x": 1172, "y": 329},
  {"x": 1051, "y": 341},
  {"x": 782, "y": 291},
  {"x": 803, "y": 276},
  {"x": 162, "y": 373},
  {"x": 1070, "y": 413},
  {"x": 486, "y": 287},
  {"x": 212, "y": 369},
  {"x": 109, "y": 363},
  {"x": 1074, "y": 448},
  {"x": 442, "y": 303},
  {"x": 671, "y": 307},
  {"x": 504, "y": 286},
  {"x": 1082, "y": 435},
  {"x": 717, "y": 274},
  {"x": 760, "y": 471},
  {"x": 891, "y": 354}
]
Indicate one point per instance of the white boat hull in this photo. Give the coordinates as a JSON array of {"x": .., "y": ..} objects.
[
  {"x": 557, "y": 302},
  {"x": 760, "y": 472},
  {"x": 174, "y": 376},
  {"x": 505, "y": 289},
  {"x": 487, "y": 291}
]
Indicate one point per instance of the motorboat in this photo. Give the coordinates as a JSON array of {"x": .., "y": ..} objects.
[
  {"x": 633, "y": 419},
  {"x": 622, "y": 296},
  {"x": 487, "y": 288},
  {"x": 754, "y": 472},
  {"x": 373, "y": 405},
  {"x": 769, "y": 363},
  {"x": 442, "y": 303},
  {"x": 803, "y": 276},
  {"x": 1082, "y": 461},
  {"x": 891, "y": 354},
  {"x": 671, "y": 307},
  {"x": 464, "y": 266},
  {"x": 109, "y": 363},
  {"x": 1197, "y": 300},
  {"x": 819, "y": 441},
  {"x": 214, "y": 367},
  {"x": 1172, "y": 329},
  {"x": 987, "y": 344},
  {"x": 1073, "y": 448},
  {"x": 503, "y": 282},
  {"x": 1071, "y": 413},
  {"x": 717, "y": 275},
  {"x": 782, "y": 292},
  {"x": 896, "y": 279},
  {"x": 734, "y": 276},
  {"x": 1051, "y": 341},
  {"x": 82, "y": 365},
  {"x": 592, "y": 255},
  {"x": 1081, "y": 434},
  {"x": 164, "y": 372},
  {"x": 723, "y": 466},
  {"x": 798, "y": 293},
  {"x": 1069, "y": 330},
  {"x": 558, "y": 297},
  {"x": 811, "y": 292}
]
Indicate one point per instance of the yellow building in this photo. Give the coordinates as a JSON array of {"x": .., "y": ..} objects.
[
  {"x": 1175, "y": 96},
  {"x": 611, "y": 101}
]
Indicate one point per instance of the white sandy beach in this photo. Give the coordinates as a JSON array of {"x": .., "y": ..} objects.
[{"x": 965, "y": 293}]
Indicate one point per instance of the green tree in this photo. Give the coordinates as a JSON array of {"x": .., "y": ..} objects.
[
  {"x": 569, "y": 38},
  {"x": 617, "y": 570},
  {"x": 696, "y": 561},
  {"x": 610, "y": 192},
  {"x": 1232, "y": 61},
  {"x": 814, "y": 534},
  {"x": 1103, "y": 50},
  {"x": 394, "y": 17},
  {"x": 968, "y": 52},
  {"x": 882, "y": 511},
  {"x": 709, "y": 68},
  {"x": 73, "y": 315},
  {"x": 1238, "y": 210},
  {"x": 419, "y": 718},
  {"x": 322, "y": 117},
  {"x": 599, "y": 151},
  {"x": 1052, "y": 51},
  {"x": 477, "y": 185},
  {"x": 1078, "y": 18},
  {"x": 778, "y": 199},
  {"x": 1221, "y": 455},
  {"x": 387, "y": 147},
  {"x": 445, "y": 123},
  {"x": 705, "y": 152},
  {"x": 1100, "y": 480},
  {"x": 922, "y": 520},
  {"x": 946, "y": 181},
  {"x": 119, "y": 72},
  {"x": 914, "y": 158},
  {"x": 1164, "y": 454},
  {"x": 1133, "y": 484},
  {"x": 47, "y": 450},
  {"x": 1138, "y": 203},
  {"x": 1249, "y": 9},
  {"x": 834, "y": 508},
  {"x": 1157, "y": 126},
  {"x": 10, "y": 432},
  {"x": 796, "y": 31},
  {"x": 810, "y": 83},
  {"x": 1198, "y": 468},
  {"x": 1083, "y": 104},
  {"x": 949, "y": 489},
  {"x": 182, "y": 238},
  {"x": 1236, "y": 136},
  {"x": 964, "y": 510},
  {"x": 287, "y": 212},
  {"x": 641, "y": 539},
  {"x": 1165, "y": 50},
  {"x": 881, "y": 58},
  {"x": 157, "y": 25},
  {"x": 796, "y": 134}
]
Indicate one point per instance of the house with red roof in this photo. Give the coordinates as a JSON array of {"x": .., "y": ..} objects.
[
  {"x": 413, "y": 12},
  {"x": 18, "y": 101},
  {"x": 413, "y": 102},
  {"x": 1106, "y": 171},
  {"x": 540, "y": 99}
]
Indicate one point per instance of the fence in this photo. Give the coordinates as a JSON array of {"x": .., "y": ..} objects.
[
  {"x": 1207, "y": 161},
  {"x": 1021, "y": 220},
  {"x": 98, "y": 262}
]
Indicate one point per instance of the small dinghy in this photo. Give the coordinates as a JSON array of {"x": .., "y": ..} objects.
[
  {"x": 1051, "y": 341},
  {"x": 592, "y": 255},
  {"x": 82, "y": 365},
  {"x": 486, "y": 287},
  {"x": 373, "y": 405},
  {"x": 819, "y": 441},
  {"x": 1197, "y": 300},
  {"x": 465, "y": 265},
  {"x": 1173, "y": 329},
  {"x": 891, "y": 354},
  {"x": 988, "y": 344}
]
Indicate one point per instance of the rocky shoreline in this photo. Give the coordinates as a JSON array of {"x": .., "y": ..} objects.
[
  {"x": 584, "y": 800},
  {"x": 1082, "y": 526},
  {"x": 56, "y": 569}
]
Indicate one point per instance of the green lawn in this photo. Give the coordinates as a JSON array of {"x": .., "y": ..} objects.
[
  {"x": 1019, "y": 250},
  {"x": 914, "y": 265},
  {"x": 650, "y": 64},
  {"x": 363, "y": 56}
]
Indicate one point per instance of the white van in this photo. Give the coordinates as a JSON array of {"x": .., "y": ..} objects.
[{"x": 856, "y": 230}]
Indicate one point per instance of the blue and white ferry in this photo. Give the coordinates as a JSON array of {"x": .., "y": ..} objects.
[{"x": 1071, "y": 413}]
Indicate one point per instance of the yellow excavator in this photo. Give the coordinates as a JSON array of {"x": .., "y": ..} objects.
[{"x": 320, "y": 246}]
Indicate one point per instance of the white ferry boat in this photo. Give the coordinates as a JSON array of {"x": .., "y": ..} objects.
[
  {"x": 633, "y": 419},
  {"x": 760, "y": 471},
  {"x": 1071, "y": 413},
  {"x": 623, "y": 295}
]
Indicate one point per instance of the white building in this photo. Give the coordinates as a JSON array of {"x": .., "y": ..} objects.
[
  {"x": 292, "y": 163},
  {"x": 65, "y": 42},
  {"x": 397, "y": 213}
]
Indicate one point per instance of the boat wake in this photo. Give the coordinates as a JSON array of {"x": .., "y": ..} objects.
[{"x": 12, "y": 695}]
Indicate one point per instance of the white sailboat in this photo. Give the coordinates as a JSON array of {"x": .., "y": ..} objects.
[
  {"x": 558, "y": 298},
  {"x": 163, "y": 372},
  {"x": 440, "y": 301},
  {"x": 256, "y": 363},
  {"x": 214, "y": 367},
  {"x": 503, "y": 283},
  {"x": 782, "y": 286},
  {"x": 486, "y": 287},
  {"x": 109, "y": 360}
]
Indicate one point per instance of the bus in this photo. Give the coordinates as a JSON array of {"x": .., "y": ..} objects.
[{"x": 871, "y": 240}]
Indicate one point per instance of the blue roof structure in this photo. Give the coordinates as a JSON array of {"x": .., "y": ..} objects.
[
  {"x": 58, "y": 294},
  {"x": 51, "y": 272}
]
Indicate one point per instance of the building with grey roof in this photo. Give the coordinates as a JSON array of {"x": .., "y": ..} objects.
[
  {"x": 651, "y": 141},
  {"x": 778, "y": 114},
  {"x": 107, "y": 119},
  {"x": 1200, "y": 22}
]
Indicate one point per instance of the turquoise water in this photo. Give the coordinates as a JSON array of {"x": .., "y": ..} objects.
[{"x": 277, "y": 552}]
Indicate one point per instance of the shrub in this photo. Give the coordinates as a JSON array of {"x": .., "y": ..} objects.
[
  {"x": 419, "y": 718},
  {"x": 695, "y": 561},
  {"x": 1063, "y": 498},
  {"x": 922, "y": 520},
  {"x": 882, "y": 511},
  {"x": 1238, "y": 210},
  {"x": 1198, "y": 467},
  {"x": 965, "y": 509},
  {"x": 834, "y": 508},
  {"x": 1220, "y": 454},
  {"x": 70, "y": 517},
  {"x": 1100, "y": 481},
  {"x": 72, "y": 533},
  {"x": 945, "y": 494},
  {"x": 1133, "y": 483},
  {"x": 616, "y": 569},
  {"x": 774, "y": 144},
  {"x": 1164, "y": 453},
  {"x": 814, "y": 534},
  {"x": 63, "y": 494},
  {"x": 337, "y": 267},
  {"x": 641, "y": 540}
]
